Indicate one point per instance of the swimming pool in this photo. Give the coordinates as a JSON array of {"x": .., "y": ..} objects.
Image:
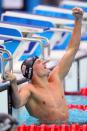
[{"x": 75, "y": 115}]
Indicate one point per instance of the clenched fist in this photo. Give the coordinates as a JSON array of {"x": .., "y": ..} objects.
[{"x": 77, "y": 12}]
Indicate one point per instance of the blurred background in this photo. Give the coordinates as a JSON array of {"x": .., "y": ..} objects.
[{"x": 25, "y": 5}]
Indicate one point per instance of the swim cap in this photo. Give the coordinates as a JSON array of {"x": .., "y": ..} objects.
[
  {"x": 7, "y": 122},
  {"x": 27, "y": 67}
]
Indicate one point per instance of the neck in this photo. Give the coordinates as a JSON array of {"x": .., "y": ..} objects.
[{"x": 41, "y": 82}]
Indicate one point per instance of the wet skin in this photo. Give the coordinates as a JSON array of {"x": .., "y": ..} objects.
[{"x": 48, "y": 104}]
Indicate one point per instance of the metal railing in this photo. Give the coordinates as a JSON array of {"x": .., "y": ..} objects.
[{"x": 3, "y": 60}]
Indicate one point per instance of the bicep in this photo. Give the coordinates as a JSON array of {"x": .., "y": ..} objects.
[
  {"x": 24, "y": 93},
  {"x": 63, "y": 67},
  {"x": 65, "y": 64}
]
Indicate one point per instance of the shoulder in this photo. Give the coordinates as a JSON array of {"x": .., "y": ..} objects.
[{"x": 26, "y": 87}]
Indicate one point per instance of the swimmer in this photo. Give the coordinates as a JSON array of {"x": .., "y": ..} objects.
[
  {"x": 44, "y": 96},
  {"x": 7, "y": 123}
]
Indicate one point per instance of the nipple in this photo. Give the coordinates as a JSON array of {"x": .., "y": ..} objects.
[{"x": 44, "y": 102}]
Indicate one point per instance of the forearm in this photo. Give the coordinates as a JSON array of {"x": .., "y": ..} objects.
[
  {"x": 15, "y": 94},
  {"x": 76, "y": 36}
]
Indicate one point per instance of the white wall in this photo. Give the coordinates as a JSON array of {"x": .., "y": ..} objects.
[
  {"x": 3, "y": 102},
  {"x": 72, "y": 77}
]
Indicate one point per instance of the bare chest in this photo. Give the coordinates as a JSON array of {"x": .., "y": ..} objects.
[
  {"x": 52, "y": 96},
  {"x": 47, "y": 103}
]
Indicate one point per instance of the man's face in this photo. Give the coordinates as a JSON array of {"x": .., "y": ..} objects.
[{"x": 40, "y": 67}]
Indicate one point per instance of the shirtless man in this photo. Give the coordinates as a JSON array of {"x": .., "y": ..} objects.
[{"x": 44, "y": 96}]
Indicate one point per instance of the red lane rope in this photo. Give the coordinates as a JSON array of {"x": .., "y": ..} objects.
[
  {"x": 79, "y": 106},
  {"x": 53, "y": 127},
  {"x": 72, "y": 93},
  {"x": 83, "y": 92}
]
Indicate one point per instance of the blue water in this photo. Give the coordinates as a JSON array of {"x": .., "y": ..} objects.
[{"x": 75, "y": 115}]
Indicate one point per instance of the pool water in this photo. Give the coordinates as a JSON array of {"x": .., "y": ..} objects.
[{"x": 75, "y": 115}]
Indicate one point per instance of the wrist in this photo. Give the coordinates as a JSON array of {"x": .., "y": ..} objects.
[
  {"x": 79, "y": 18},
  {"x": 78, "y": 22}
]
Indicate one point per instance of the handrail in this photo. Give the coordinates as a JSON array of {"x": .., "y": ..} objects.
[
  {"x": 6, "y": 85},
  {"x": 3, "y": 60}
]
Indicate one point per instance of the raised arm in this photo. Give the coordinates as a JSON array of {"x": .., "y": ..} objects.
[
  {"x": 63, "y": 68},
  {"x": 19, "y": 97}
]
